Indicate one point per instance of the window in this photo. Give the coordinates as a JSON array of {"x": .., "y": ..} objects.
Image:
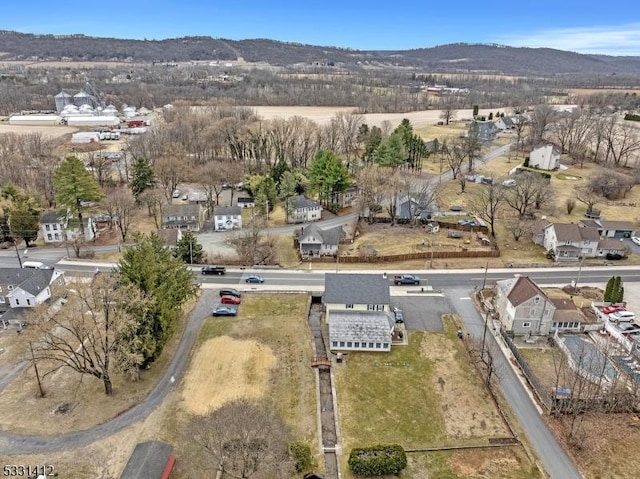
[
  {"x": 28, "y": 302},
  {"x": 378, "y": 345},
  {"x": 375, "y": 307},
  {"x": 47, "y": 227},
  {"x": 1, "y": 299},
  {"x": 349, "y": 306},
  {"x": 17, "y": 302},
  {"x": 356, "y": 344},
  {"x": 536, "y": 300},
  {"x": 385, "y": 345},
  {"x": 526, "y": 324},
  {"x": 10, "y": 287},
  {"x": 349, "y": 344},
  {"x": 334, "y": 344},
  {"x": 56, "y": 236},
  {"x": 342, "y": 344},
  {"x": 371, "y": 345},
  {"x": 49, "y": 236}
]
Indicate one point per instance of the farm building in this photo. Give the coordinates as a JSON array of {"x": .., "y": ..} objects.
[
  {"x": 93, "y": 121},
  {"x": 35, "y": 120},
  {"x": 150, "y": 460}
]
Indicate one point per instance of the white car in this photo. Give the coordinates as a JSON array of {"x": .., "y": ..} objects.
[{"x": 636, "y": 240}]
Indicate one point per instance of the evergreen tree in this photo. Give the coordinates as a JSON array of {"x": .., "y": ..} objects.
[
  {"x": 188, "y": 249},
  {"x": 328, "y": 175},
  {"x": 24, "y": 220},
  {"x": 141, "y": 177},
  {"x": 166, "y": 282},
  {"x": 75, "y": 188}
]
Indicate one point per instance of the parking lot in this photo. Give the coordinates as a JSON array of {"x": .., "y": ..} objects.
[{"x": 422, "y": 313}]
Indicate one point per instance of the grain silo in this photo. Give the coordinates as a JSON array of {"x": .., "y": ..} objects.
[
  {"x": 82, "y": 98},
  {"x": 62, "y": 99}
]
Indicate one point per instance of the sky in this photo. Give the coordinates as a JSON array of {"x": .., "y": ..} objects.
[{"x": 583, "y": 26}]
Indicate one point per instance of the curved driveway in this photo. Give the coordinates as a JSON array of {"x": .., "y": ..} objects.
[{"x": 11, "y": 443}]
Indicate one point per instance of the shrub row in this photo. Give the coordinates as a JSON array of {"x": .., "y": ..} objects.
[
  {"x": 377, "y": 460},
  {"x": 632, "y": 117}
]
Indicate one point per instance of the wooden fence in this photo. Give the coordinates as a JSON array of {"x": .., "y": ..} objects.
[{"x": 393, "y": 258}]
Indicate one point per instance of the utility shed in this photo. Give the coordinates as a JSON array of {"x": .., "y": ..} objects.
[{"x": 150, "y": 460}]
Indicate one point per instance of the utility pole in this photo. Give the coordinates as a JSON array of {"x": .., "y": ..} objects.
[
  {"x": 190, "y": 251},
  {"x": 575, "y": 286},
  {"x": 35, "y": 366},
  {"x": 486, "y": 270},
  {"x": 15, "y": 245}
]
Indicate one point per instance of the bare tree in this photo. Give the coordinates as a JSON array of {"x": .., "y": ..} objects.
[
  {"x": 486, "y": 204},
  {"x": 171, "y": 169},
  {"x": 518, "y": 227},
  {"x": 393, "y": 185},
  {"x": 529, "y": 191},
  {"x": 612, "y": 185},
  {"x": 454, "y": 158},
  {"x": 95, "y": 331},
  {"x": 541, "y": 118},
  {"x": 243, "y": 439},
  {"x": 448, "y": 113},
  {"x": 371, "y": 195},
  {"x": 585, "y": 196},
  {"x": 570, "y": 204},
  {"x": 254, "y": 246},
  {"x": 154, "y": 199},
  {"x": 121, "y": 207},
  {"x": 422, "y": 195},
  {"x": 101, "y": 167}
]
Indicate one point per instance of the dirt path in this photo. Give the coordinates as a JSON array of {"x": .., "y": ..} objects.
[{"x": 30, "y": 444}]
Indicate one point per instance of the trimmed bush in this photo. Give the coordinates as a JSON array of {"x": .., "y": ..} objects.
[
  {"x": 632, "y": 117},
  {"x": 377, "y": 460},
  {"x": 301, "y": 455}
]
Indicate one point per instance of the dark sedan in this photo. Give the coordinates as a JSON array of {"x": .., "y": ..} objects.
[{"x": 224, "y": 311}]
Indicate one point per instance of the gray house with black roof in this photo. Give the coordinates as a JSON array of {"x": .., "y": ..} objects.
[
  {"x": 314, "y": 242},
  {"x": 27, "y": 287},
  {"x": 301, "y": 209},
  {"x": 358, "y": 312}
]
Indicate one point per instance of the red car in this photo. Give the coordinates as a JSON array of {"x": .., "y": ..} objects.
[
  {"x": 230, "y": 300},
  {"x": 613, "y": 309}
]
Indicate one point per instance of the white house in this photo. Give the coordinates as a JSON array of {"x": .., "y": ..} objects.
[
  {"x": 57, "y": 228},
  {"x": 227, "y": 218},
  {"x": 546, "y": 157},
  {"x": 27, "y": 287},
  {"x": 314, "y": 242},
  {"x": 505, "y": 123},
  {"x": 572, "y": 242},
  {"x": 301, "y": 209}
]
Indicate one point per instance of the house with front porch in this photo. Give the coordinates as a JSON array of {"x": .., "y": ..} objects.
[
  {"x": 314, "y": 241},
  {"x": 358, "y": 312},
  {"x": 188, "y": 217},
  {"x": 523, "y": 308},
  {"x": 572, "y": 242}
]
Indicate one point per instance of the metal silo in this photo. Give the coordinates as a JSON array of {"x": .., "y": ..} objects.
[{"x": 62, "y": 99}]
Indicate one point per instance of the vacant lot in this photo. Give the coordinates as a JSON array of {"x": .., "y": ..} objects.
[{"x": 425, "y": 395}]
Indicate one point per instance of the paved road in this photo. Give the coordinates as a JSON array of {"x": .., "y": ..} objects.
[{"x": 555, "y": 460}]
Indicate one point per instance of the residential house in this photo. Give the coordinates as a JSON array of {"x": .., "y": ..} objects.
[
  {"x": 150, "y": 460},
  {"x": 358, "y": 312},
  {"x": 415, "y": 206},
  {"x": 571, "y": 242},
  {"x": 524, "y": 309},
  {"x": 246, "y": 202},
  {"x": 505, "y": 123},
  {"x": 170, "y": 237},
  {"x": 188, "y": 217},
  {"x": 567, "y": 318},
  {"x": 537, "y": 230},
  {"x": 27, "y": 287},
  {"x": 57, "y": 228},
  {"x": 314, "y": 242},
  {"x": 346, "y": 198},
  {"x": 301, "y": 209},
  {"x": 485, "y": 130},
  {"x": 546, "y": 157},
  {"x": 611, "y": 229},
  {"x": 227, "y": 218}
]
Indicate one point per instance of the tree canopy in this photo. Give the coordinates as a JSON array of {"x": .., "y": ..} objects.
[
  {"x": 166, "y": 281},
  {"x": 75, "y": 188},
  {"x": 141, "y": 177},
  {"x": 188, "y": 250},
  {"x": 328, "y": 174}
]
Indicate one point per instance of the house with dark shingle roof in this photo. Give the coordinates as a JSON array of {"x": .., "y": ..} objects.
[
  {"x": 27, "y": 287},
  {"x": 314, "y": 241},
  {"x": 524, "y": 309},
  {"x": 505, "y": 123},
  {"x": 570, "y": 242},
  {"x": 301, "y": 209},
  {"x": 611, "y": 229},
  {"x": 186, "y": 217},
  {"x": 358, "y": 312},
  {"x": 150, "y": 460},
  {"x": 57, "y": 228},
  {"x": 485, "y": 130},
  {"x": 227, "y": 218}
]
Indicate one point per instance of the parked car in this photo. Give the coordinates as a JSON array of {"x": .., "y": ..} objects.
[
  {"x": 219, "y": 270},
  {"x": 254, "y": 278},
  {"x": 622, "y": 317},
  {"x": 398, "y": 314},
  {"x": 176, "y": 194},
  {"x": 406, "y": 279},
  {"x": 455, "y": 234},
  {"x": 230, "y": 300},
  {"x": 224, "y": 311},
  {"x": 230, "y": 292},
  {"x": 631, "y": 328},
  {"x": 613, "y": 309},
  {"x": 615, "y": 256},
  {"x": 636, "y": 240},
  {"x": 470, "y": 223}
]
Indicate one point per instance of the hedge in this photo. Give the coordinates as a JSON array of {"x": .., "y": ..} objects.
[
  {"x": 377, "y": 460},
  {"x": 632, "y": 117}
]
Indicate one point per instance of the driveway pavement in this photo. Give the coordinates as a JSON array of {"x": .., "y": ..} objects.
[{"x": 422, "y": 313}]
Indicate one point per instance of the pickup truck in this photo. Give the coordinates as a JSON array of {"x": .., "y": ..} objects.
[
  {"x": 219, "y": 270},
  {"x": 406, "y": 279}
]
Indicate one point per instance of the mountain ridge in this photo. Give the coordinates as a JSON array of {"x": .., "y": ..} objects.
[{"x": 453, "y": 57}]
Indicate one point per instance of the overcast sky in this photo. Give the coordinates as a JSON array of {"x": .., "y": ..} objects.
[{"x": 583, "y": 26}]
